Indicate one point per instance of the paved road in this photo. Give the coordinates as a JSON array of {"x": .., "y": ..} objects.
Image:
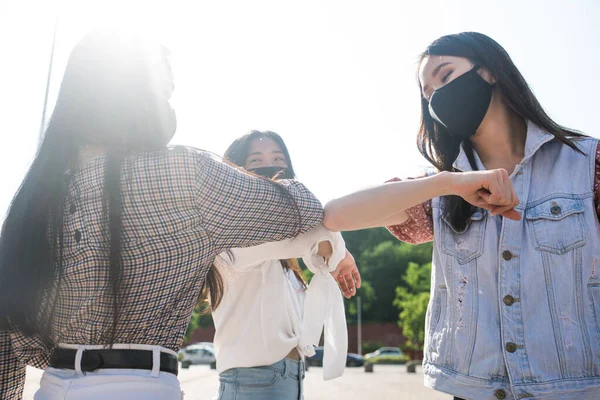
[{"x": 387, "y": 382}]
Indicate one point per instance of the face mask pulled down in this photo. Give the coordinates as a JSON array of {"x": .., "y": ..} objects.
[{"x": 461, "y": 105}]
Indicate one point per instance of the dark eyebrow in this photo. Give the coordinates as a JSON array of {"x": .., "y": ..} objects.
[
  {"x": 439, "y": 67},
  {"x": 434, "y": 74}
]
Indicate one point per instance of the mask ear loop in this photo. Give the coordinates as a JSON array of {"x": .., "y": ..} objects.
[{"x": 476, "y": 68}]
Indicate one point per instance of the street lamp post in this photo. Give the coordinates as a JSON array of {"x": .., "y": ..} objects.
[{"x": 358, "y": 325}]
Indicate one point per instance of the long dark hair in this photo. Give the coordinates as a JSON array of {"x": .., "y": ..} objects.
[
  {"x": 236, "y": 154},
  {"x": 114, "y": 96},
  {"x": 441, "y": 149}
]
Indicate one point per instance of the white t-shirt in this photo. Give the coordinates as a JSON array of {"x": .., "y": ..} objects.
[{"x": 265, "y": 312}]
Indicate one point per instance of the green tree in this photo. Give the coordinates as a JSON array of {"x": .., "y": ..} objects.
[
  {"x": 412, "y": 302},
  {"x": 384, "y": 266},
  {"x": 199, "y": 319},
  {"x": 367, "y": 297},
  {"x": 382, "y": 261}
]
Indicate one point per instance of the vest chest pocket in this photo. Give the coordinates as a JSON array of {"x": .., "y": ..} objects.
[
  {"x": 557, "y": 225},
  {"x": 465, "y": 245}
]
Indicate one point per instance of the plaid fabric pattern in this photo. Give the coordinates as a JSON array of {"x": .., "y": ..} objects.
[{"x": 181, "y": 207}]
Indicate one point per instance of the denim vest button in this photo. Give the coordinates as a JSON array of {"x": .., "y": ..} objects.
[
  {"x": 511, "y": 347},
  {"x": 555, "y": 210},
  {"x": 500, "y": 394},
  {"x": 508, "y": 300},
  {"x": 507, "y": 255}
]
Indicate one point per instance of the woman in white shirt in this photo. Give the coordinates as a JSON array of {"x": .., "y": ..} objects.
[{"x": 267, "y": 319}]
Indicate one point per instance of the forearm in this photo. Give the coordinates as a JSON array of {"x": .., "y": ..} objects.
[
  {"x": 247, "y": 257},
  {"x": 383, "y": 204}
]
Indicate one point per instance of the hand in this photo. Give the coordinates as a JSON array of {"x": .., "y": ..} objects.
[
  {"x": 491, "y": 190},
  {"x": 347, "y": 275}
]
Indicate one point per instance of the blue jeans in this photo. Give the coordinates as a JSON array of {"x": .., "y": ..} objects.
[{"x": 280, "y": 381}]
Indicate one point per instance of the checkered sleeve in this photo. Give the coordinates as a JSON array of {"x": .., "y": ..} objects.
[
  {"x": 242, "y": 210},
  {"x": 12, "y": 371}
]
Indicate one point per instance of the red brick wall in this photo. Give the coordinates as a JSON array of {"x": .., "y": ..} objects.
[
  {"x": 201, "y": 335},
  {"x": 389, "y": 334}
]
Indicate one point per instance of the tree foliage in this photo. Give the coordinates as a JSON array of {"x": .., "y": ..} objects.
[{"x": 412, "y": 301}]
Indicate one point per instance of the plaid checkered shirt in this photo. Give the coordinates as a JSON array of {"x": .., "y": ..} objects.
[{"x": 181, "y": 207}]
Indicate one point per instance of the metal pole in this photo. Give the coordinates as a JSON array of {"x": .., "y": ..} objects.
[
  {"x": 43, "y": 123},
  {"x": 359, "y": 320}
]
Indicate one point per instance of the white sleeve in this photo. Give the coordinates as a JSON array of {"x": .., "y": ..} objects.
[
  {"x": 314, "y": 262},
  {"x": 304, "y": 246},
  {"x": 324, "y": 311}
]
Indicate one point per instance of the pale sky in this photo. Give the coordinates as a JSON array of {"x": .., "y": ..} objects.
[{"x": 337, "y": 79}]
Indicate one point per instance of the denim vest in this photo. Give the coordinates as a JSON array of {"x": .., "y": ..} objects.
[{"x": 515, "y": 305}]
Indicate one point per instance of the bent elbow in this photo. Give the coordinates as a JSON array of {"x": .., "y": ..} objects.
[{"x": 332, "y": 217}]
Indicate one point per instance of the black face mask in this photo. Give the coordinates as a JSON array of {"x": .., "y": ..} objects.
[
  {"x": 461, "y": 105},
  {"x": 273, "y": 172}
]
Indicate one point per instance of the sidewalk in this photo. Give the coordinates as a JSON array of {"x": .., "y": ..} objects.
[{"x": 387, "y": 382}]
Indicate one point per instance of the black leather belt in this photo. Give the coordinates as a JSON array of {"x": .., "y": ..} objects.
[{"x": 92, "y": 360}]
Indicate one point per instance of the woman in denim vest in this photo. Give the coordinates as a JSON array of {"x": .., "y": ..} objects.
[{"x": 514, "y": 310}]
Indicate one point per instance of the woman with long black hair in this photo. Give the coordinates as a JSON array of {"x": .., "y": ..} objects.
[
  {"x": 267, "y": 319},
  {"x": 108, "y": 241},
  {"x": 515, "y": 303}
]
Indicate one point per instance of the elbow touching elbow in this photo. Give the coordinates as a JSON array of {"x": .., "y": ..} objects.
[{"x": 331, "y": 218}]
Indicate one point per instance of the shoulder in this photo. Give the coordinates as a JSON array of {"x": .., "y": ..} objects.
[
  {"x": 190, "y": 154},
  {"x": 201, "y": 165},
  {"x": 582, "y": 147},
  {"x": 172, "y": 155}
]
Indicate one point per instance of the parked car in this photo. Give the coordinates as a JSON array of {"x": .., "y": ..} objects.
[
  {"x": 198, "y": 354},
  {"x": 207, "y": 344},
  {"x": 385, "y": 351},
  {"x": 352, "y": 360},
  {"x": 317, "y": 359}
]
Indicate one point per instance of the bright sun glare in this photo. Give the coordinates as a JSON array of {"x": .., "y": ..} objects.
[{"x": 335, "y": 78}]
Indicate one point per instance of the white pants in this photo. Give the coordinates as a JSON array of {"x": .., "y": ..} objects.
[{"x": 113, "y": 384}]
